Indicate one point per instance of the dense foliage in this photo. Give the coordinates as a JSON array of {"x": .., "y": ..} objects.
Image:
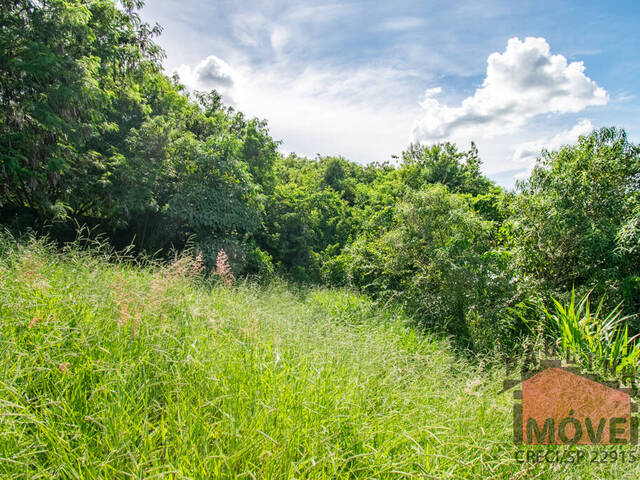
[
  {"x": 93, "y": 132},
  {"x": 576, "y": 219}
]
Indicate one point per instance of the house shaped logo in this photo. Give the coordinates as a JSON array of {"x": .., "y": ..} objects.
[{"x": 559, "y": 406}]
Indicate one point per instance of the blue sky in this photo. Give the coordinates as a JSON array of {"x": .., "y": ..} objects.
[{"x": 363, "y": 79}]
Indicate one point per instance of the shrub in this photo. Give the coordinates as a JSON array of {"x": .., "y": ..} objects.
[
  {"x": 439, "y": 262},
  {"x": 594, "y": 337}
]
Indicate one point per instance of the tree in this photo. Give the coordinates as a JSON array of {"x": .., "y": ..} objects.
[
  {"x": 64, "y": 67},
  {"x": 443, "y": 163},
  {"x": 575, "y": 218},
  {"x": 438, "y": 261}
]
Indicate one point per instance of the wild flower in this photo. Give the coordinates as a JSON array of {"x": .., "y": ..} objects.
[
  {"x": 186, "y": 267},
  {"x": 179, "y": 267}
]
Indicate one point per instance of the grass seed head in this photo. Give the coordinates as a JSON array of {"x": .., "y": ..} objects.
[{"x": 223, "y": 268}]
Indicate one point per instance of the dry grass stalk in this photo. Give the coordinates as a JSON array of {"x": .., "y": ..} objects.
[{"x": 223, "y": 268}]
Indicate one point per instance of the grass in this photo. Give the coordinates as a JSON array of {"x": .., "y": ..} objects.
[{"x": 116, "y": 370}]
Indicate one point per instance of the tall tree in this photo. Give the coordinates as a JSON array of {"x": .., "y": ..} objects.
[{"x": 63, "y": 64}]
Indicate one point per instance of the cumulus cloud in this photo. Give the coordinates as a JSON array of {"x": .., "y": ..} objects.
[
  {"x": 367, "y": 112},
  {"x": 524, "y": 81},
  {"x": 526, "y": 153},
  {"x": 210, "y": 73}
]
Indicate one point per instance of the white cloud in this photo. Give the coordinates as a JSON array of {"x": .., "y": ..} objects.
[
  {"x": 210, "y": 73},
  {"x": 431, "y": 92},
  {"x": 249, "y": 28},
  {"x": 275, "y": 28},
  {"x": 316, "y": 13},
  {"x": 521, "y": 83},
  {"x": 355, "y": 113},
  {"x": 526, "y": 153},
  {"x": 360, "y": 113},
  {"x": 279, "y": 38}
]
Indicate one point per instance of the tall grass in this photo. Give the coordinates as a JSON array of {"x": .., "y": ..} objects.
[{"x": 116, "y": 370}]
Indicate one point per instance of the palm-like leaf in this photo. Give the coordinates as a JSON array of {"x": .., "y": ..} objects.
[{"x": 592, "y": 336}]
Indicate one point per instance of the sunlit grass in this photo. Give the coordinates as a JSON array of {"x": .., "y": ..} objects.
[{"x": 115, "y": 370}]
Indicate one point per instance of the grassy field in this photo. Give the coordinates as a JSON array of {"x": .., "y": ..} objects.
[{"x": 115, "y": 370}]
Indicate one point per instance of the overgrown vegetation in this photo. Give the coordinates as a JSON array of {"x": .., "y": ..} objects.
[
  {"x": 596, "y": 339},
  {"x": 256, "y": 315},
  {"x": 92, "y": 132},
  {"x": 115, "y": 368}
]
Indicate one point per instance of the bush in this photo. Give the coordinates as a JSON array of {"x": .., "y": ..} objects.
[{"x": 438, "y": 261}]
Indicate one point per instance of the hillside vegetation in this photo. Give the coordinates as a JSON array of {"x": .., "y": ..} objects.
[
  {"x": 93, "y": 132},
  {"x": 301, "y": 317},
  {"x": 116, "y": 370}
]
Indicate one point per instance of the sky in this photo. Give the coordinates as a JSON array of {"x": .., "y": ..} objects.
[{"x": 363, "y": 79}]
